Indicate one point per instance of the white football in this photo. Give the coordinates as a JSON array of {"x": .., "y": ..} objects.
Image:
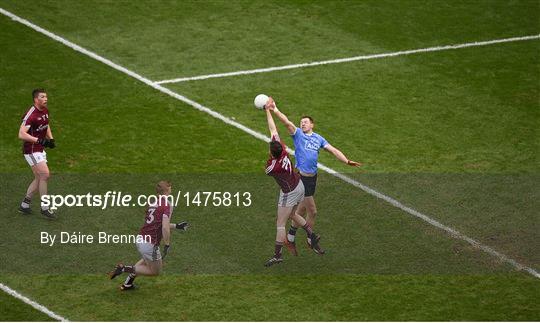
[{"x": 260, "y": 101}]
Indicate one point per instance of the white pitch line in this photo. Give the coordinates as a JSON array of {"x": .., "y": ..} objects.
[
  {"x": 30, "y": 302},
  {"x": 454, "y": 233},
  {"x": 350, "y": 59}
]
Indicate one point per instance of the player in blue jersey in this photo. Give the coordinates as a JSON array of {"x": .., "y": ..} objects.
[{"x": 307, "y": 145}]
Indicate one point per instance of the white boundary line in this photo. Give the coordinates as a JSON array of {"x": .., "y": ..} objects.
[
  {"x": 350, "y": 59},
  {"x": 30, "y": 302},
  {"x": 454, "y": 233}
]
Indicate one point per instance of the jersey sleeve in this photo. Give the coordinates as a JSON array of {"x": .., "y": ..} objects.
[
  {"x": 297, "y": 137},
  {"x": 324, "y": 143},
  {"x": 27, "y": 119}
]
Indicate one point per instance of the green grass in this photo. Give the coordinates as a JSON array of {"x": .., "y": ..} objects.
[
  {"x": 420, "y": 113},
  {"x": 168, "y": 39},
  {"x": 15, "y": 310},
  {"x": 294, "y": 297},
  {"x": 238, "y": 240},
  {"x": 452, "y": 134},
  {"x": 92, "y": 130},
  {"x": 497, "y": 210}
]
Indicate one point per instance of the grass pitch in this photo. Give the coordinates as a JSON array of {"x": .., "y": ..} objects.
[{"x": 452, "y": 134}]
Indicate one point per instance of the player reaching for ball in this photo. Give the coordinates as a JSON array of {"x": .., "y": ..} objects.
[
  {"x": 158, "y": 227},
  {"x": 280, "y": 167},
  {"x": 307, "y": 145}
]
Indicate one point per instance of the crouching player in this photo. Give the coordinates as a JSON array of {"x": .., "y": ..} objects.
[
  {"x": 280, "y": 167},
  {"x": 157, "y": 227}
]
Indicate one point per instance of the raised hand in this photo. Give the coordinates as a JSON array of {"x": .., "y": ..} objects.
[{"x": 270, "y": 104}]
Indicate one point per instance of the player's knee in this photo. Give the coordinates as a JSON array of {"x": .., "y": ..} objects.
[
  {"x": 156, "y": 270},
  {"x": 311, "y": 207},
  {"x": 44, "y": 176}
]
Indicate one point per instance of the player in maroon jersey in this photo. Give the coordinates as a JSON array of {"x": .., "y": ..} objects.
[
  {"x": 157, "y": 227},
  {"x": 291, "y": 194},
  {"x": 36, "y": 134}
]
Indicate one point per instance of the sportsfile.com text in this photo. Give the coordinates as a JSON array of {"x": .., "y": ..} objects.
[{"x": 120, "y": 199}]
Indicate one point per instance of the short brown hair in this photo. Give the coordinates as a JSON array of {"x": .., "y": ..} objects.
[
  {"x": 307, "y": 117},
  {"x": 276, "y": 148},
  {"x": 36, "y": 92},
  {"x": 162, "y": 186}
]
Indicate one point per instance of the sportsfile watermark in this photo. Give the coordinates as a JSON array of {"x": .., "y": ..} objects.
[{"x": 120, "y": 199}]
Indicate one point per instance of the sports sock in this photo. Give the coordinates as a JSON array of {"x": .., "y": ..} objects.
[
  {"x": 292, "y": 233},
  {"x": 129, "y": 269},
  {"x": 308, "y": 229},
  {"x": 129, "y": 280},
  {"x": 26, "y": 202},
  {"x": 277, "y": 250}
]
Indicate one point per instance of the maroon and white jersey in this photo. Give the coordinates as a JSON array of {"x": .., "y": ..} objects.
[
  {"x": 38, "y": 121},
  {"x": 282, "y": 169},
  {"x": 154, "y": 219}
]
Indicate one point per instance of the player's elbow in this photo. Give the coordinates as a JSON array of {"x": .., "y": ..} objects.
[{"x": 291, "y": 127}]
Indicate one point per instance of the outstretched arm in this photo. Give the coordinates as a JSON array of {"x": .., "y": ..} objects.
[
  {"x": 340, "y": 156},
  {"x": 271, "y": 105},
  {"x": 271, "y": 124}
]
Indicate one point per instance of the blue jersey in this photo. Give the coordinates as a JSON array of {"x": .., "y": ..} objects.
[{"x": 306, "y": 149}]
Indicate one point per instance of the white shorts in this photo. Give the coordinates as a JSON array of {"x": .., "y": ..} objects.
[
  {"x": 35, "y": 158},
  {"x": 292, "y": 198},
  {"x": 148, "y": 251}
]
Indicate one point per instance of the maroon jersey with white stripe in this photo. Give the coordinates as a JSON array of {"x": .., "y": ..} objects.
[
  {"x": 38, "y": 121},
  {"x": 282, "y": 169},
  {"x": 154, "y": 218}
]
